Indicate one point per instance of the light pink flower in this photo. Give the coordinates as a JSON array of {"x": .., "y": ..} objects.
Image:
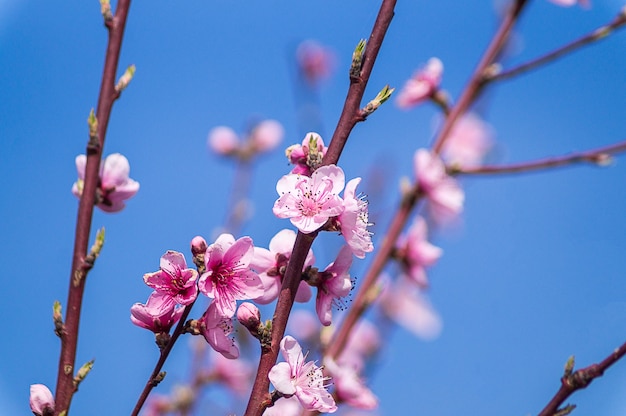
[
  {"x": 157, "y": 315},
  {"x": 304, "y": 380},
  {"x": 354, "y": 221},
  {"x": 304, "y": 325},
  {"x": 216, "y": 329},
  {"x": 174, "y": 279},
  {"x": 422, "y": 85},
  {"x": 349, "y": 387},
  {"x": 315, "y": 61},
  {"x": 568, "y": 3},
  {"x": 363, "y": 342},
  {"x": 41, "y": 400},
  {"x": 114, "y": 187},
  {"x": 335, "y": 284},
  {"x": 310, "y": 202},
  {"x": 417, "y": 253},
  {"x": 469, "y": 141},
  {"x": 271, "y": 265},
  {"x": 307, "y": 156},
  {"x": 444, "y": 193},
  {"x": 235, "y": 374},
  {"x": 286, "y": 406},
  {"x": 266, "y": 135},
  {"x": 228, "y": 277},
  {"x": 223, "y": 140}
]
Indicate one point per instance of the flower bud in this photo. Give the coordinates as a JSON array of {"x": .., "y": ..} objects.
[
  {"x": 223, "y": 140},
  {"x": 249, "y": 316},
  {"x": 267, "y": 135},
  {"x": 198, "y": 245},
  {"x": 41, "y": 400}
]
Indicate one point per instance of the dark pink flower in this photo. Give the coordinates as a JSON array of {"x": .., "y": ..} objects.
[
  {"x": 228, "y": 277},
  {"x": 41, "y": 400},
  {"x": 157, "y": 315},
  {"x": 304, "y": 380},
  {"x": 307, "y": 156},
  {"x": 417, "y": 253},
  {"x": 174, "y": 279},
  {"x": 216, "y": 329},
  {"x": 114, "y": 187},
  {"x": 354, "y": 221},
  {"x": 422, "y": 85},
  {"x": 335, "y": 284}
]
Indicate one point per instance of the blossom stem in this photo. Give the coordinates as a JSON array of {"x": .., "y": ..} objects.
[
  {"x": 350, "y": 116},
  {"x": 596, "y": 156},
  {"x": 593, "y": 36},
  {"x": 477, "y": 80},
  {"x": 65, "y": 387},
  {"x": 580, "y": 379}
]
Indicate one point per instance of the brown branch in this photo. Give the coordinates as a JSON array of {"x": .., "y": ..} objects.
[
  {"x": 580, "y": 379},
  {"x": 596, "y": 35},
  {"x": 65, "y": 387},
  {"x": 599, "y": 156},
  {"x": 350, "y": 116},
  {"x": 477, "y": 81}
]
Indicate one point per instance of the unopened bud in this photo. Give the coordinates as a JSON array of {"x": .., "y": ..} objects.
[
  {"x": 92, "y": 122},
  {"x": 357, "y": 59},
  {"x": 41, "y": 400},
  {"x": 105, "y": 9},
  {"x": 603, "y": 159},
  {"x": 57, "y": 318},
  {"x": 249, "y": 316},
  {"x": 82, "y": 372},
  {"x": 382, "y": 96},
  {"x": 198, "y": 248},
  {"x": 125, "y": 79}
]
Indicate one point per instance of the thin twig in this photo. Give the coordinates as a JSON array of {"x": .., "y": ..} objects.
[
  {"x": 65, "y": 387},
  {"x": 350, "y": 116}
]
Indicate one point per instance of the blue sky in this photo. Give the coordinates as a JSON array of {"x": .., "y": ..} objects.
[{"x": 534, "y": 275}]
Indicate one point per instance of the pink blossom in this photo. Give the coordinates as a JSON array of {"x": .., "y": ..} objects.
[
  {"x": 304, "y": 325},
  {"x": 114, "y": 186},
  {"x": 41, "y": 400},
  {"x": 315, "y": 61},
  {"x": 223, "y": 140},
  {"x": 216, "y": 329},
  {"x": 335, "y": 283},
  {"x": 444, "y": 193},
  {"x": 307, "y": 156},
  {"x": 174, "y": 279},
  {"x": 354, "y": 221},
  {"x": 469, "y": 141},
  {"x": 157, "y": 315},
  {"x": 286, "y": 406},
  {"x": 235, "y": 374},
  {"x": 267, "y": 135},
  {"x": 422, "y": 85},
  {"x": 349, "y": 387},
  {"x": 417, "y": 253},
  {"x": 363, "y": 342},
  {"x": 568, "y": 3},
  {"x": 272, "y": 264},
  {"x": 310, "y": 202},
  {"x": 304, "y": 380},
  {"x": 228, "y": 277}
]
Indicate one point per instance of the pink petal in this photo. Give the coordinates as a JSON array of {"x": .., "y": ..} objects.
[{"x": 280, "y": 377}]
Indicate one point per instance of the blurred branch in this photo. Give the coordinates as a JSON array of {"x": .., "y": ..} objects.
[
  {"x": 65, "y": 387},
  {"x": 577, "y": 380},
  {"x": 350, "y": 116}
]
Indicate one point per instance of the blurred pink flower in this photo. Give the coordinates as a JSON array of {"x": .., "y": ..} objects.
[
  {"x": 266, "y": 135},
  {"x": 114, "y": 186},
  {"x": 272, "y": 263},
  {"x": 422, "y": 85},
  {"x": 335, "y": 283},
  {"x": 363, "y": 342},
  {"x": 417, "y": 253},
  {"x": 228, "y": 277},
  {"x": 216, "y": 329},
  {"x": 157, "y": 315},
  {"x": 354, "y": 221},
  {"x": 349, "y": 387},
  {"x": 304, "y": 380},
  {"x": 235, "y": 374},
  {"x": 306, "y": 156},
  {"x": 223, "y": 140},
  {"x": 174, "y": 279},
  {"x": 41, "y": 400},
  {"x": 469, "y": 141},
  {"x": 304, "y": 325},
  {"x": 443, "y": 192},
  {"x": 314, "y": 60},
  {"x": 568, "y": 3},
  {"x": 286, "y": 406},
  {"x": 310, "y": 202}
]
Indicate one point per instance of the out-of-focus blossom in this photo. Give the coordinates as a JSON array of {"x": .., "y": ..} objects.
[
  {"x": 304, "y": 325},
  {"x": 407, "y": 306},
  {"x": 228, "y": 277},
  {"x": 266, "y": 135},
  {"x": 223, "y": 140},
  {"x": 469, "y": 141},
  {"x": 306, "y": 156},
  {"x": 349, "y": 387},
  {"x": 285, "y": 407},
  {"x": 157, "y": 315},
  {"x": 417, "y": 253},
  {"x": 314, "y": 60},
  {"x": 271, "y": 265},
  {"x": 174, "y": 279},
  {"x": 444, "y": 193},
  {"x": 157, "y": 405},
  {"x": 235, "y": 374},
  {"x": 216, "y": 329},
  {"x": 422, "y": 85},
  {"x": 310, "y": 202},
  {"x": 363, "y": 342},
  {"x": 114, "y": 186},
  {"x": 41, "y": 400},
  {"x": 304, "y": 380},
  {"x": 568, "y": 3},
  {"x": 354, "y": 221},
  {"x": 335, "y": 284}
]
